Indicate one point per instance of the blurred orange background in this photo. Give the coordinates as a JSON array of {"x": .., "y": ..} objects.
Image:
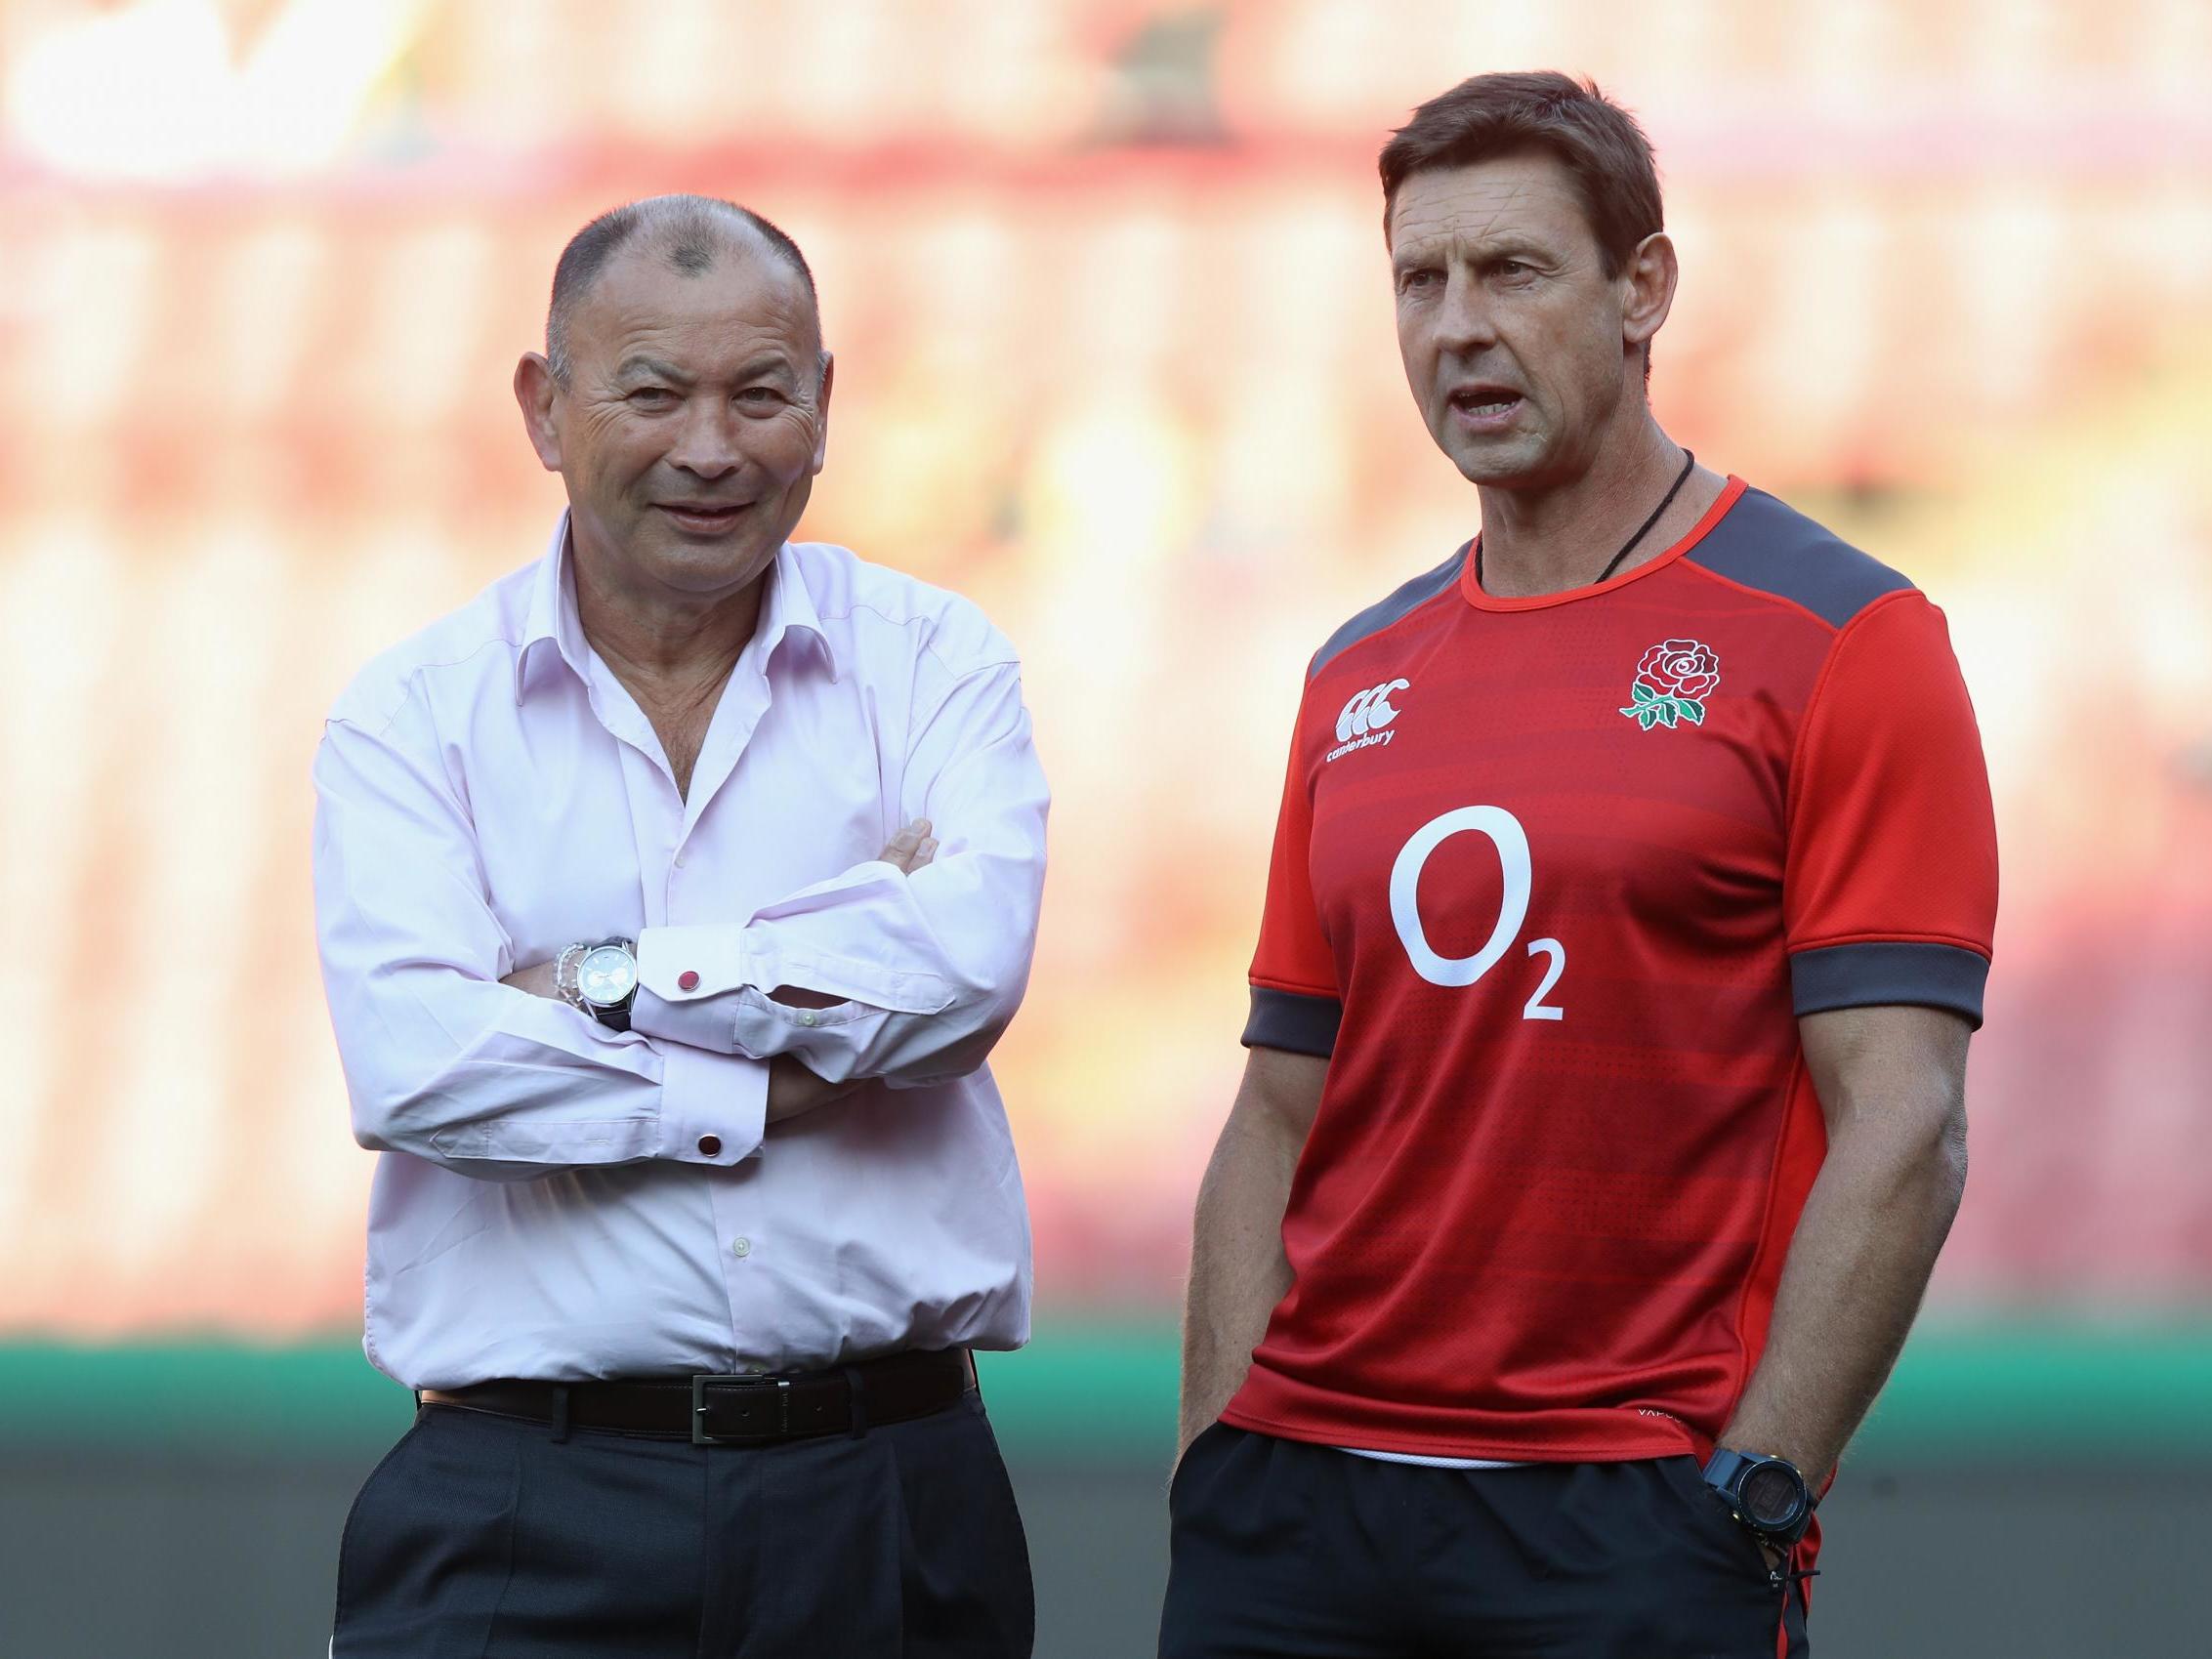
[{"x": 1107, "y": 291}]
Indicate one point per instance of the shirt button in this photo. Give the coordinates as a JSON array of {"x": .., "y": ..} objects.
[
  {"x": 687, "y": 980},
  {"x": 808, "y": 1017},
  {"x": 679, "y": 861},
  {"x": 741, "y": 1247},
  {"x": 711, "y": 1146}
]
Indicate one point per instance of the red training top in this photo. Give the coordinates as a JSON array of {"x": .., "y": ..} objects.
[{"x": 1554, "y": 880}]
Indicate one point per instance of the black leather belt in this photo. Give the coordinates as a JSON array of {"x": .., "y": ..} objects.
[{"x": 740, "y": 1410}]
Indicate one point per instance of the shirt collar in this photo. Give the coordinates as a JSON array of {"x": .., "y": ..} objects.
[
  {"x": 554, "y": 632},
  {"x": 787, "y": 608}
]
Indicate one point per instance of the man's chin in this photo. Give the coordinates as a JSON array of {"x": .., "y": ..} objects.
[
  {"x": 707, "y": 564},
  {"x": 1511, "y": 464},
  {"x": 1483, "y": 458}
]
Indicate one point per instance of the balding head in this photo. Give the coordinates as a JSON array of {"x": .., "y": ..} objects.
[
  {"x": 684, "y": 398},
  {"x": 691, "y": 235}
]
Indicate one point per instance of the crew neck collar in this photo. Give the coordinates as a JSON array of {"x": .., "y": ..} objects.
[{"x": 1471, "y": 590}]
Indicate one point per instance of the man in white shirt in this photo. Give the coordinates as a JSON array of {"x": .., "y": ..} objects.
[{"x": 671, "y": 895}]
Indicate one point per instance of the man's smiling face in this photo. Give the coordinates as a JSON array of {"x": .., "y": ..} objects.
[
  {"x": 695, "y": 415},
  {"x": 1509, "y": 326}
]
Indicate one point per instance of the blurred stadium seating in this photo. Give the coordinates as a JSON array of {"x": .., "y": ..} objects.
[{"x": 1116, "y": 357}]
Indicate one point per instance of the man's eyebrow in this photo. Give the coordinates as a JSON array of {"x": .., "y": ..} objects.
[
  {"x": 1512, "y": 246},
  {"x": 1482, "y": 250},
  {"x": 638, "y": 363},
  {"x": 768, "y": 364}
]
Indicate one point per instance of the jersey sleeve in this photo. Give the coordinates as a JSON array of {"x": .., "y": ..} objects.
[
  {"x": 1295, "y": 1005},
  {"x": 1889, "y": 885}
]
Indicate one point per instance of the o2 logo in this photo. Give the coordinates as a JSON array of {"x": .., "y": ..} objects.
[{"x": 1512, "y": 843}]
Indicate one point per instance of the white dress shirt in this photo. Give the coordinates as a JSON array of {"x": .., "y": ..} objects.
[{"x": 558, "y": 1200}]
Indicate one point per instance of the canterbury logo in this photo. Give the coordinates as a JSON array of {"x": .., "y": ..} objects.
[{"x": 1369, "y": 710}]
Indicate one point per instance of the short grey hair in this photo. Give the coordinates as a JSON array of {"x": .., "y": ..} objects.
[{"x": 690, "y": 232}]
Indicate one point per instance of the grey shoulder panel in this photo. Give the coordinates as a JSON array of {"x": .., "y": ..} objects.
[
  {"x": 1762, "y": 544},
  {"x": 1403, "y": 602}
]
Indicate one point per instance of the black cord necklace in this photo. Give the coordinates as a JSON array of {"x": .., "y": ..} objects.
[{"x": 1689, "y": 462}]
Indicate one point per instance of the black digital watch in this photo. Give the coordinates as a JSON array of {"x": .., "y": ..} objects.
[{"x": 1768, "y": 1495}]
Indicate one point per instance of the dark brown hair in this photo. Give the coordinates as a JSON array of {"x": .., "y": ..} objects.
[{"x": 1597, "y": 142}]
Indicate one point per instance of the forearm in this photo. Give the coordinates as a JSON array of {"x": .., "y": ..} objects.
[
  {"x": 911, "y": 967},
  {"x": 503, "y": 1087},
  {"x": 1238, "y": 1272},
  {"x": 910, "y": 976},
  {"x": 1859, "y": 1261},
  {"x": 794, "y": 1087},
  {"x": 793, "y": 1090}
]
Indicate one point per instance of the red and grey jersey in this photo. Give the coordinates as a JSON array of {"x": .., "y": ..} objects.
[{"x": 1553, "y": 879}]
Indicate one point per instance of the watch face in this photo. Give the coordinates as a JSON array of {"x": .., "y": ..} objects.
[
  {"x": 607, "y": 976},
  {"x": 1771, "y": 1495}
]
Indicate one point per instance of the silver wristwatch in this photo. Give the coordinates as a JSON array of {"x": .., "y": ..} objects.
[{"x": 601, "y": 979}]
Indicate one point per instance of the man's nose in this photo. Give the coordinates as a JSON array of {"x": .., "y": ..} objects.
[
  {"x": 1465, "y": 321},
  {"x": 706, "y": 445}
]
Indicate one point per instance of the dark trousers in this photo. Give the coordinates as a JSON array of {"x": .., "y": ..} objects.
[
  {"x": 492, "y": 1538},
  {"x": 1281, "y": 1549}
]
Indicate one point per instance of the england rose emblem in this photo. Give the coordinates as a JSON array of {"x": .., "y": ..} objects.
[{"x": 1672, "y": 684}]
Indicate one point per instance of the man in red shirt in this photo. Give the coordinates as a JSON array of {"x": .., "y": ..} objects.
[{"x": 1630, "y": 908}]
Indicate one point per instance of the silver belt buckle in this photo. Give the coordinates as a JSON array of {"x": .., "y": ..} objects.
[{"x": 742, "y": 1380}]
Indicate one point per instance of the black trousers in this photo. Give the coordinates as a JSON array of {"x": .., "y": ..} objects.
[
  {"x": 1283, "y": 1549},
  {"x": 491, "y": 1538}
]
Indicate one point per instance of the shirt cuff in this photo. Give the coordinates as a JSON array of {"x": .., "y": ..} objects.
[
  {"x": 1877, "y": 973},
  {"x": 680, "y": 965},
  {"x": 712, "y": 1107},
  {"x": 1298, "y": 1024},
  {"x": 702, "y": 1023}
]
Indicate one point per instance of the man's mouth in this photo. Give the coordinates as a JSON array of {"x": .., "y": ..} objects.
[
  {"x": 705, "y": 517},
  {"x": 1484, "y": 406}
]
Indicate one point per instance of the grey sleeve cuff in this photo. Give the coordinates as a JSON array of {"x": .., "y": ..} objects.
[
  {"x": 1297, "y": 1024},
  {"x": 1877, "y": 973}
]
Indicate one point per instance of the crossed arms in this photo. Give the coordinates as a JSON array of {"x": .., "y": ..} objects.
[
  {"x": 920, "y": 968},
  {"x": 793, "y": 1088}
]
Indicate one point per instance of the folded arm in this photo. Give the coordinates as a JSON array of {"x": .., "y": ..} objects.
[
  {"x": 879, "y": 971},
  {"x": 442, "y": 1060},
  {"x": 792, "y": 1089}
]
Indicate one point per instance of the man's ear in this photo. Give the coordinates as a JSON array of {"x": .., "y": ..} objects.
[
  {"x": 1651, "y": 275},
  {"x": 535, "y": 390},
  {"x": 821, "y": 412}
]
